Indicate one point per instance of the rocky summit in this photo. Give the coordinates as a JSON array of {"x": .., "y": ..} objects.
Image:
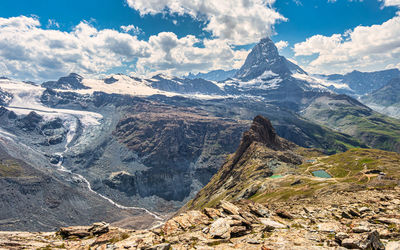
[{"x": 269, "y": 194}]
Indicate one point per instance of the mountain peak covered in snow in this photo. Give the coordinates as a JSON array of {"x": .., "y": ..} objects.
[{"x": 265, "y": 57}]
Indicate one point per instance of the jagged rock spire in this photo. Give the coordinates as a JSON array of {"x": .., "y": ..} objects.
[{"x": 261, "y": 131}]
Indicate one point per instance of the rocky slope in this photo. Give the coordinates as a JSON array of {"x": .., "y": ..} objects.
[
  {"x": 287, "y": 207},
  {"x": 385, "y": 100}
]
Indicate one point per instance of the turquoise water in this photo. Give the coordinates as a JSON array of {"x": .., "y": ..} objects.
[{"x": 321, "y": 174}]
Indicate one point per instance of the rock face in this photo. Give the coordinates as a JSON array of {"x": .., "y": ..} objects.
[
  {"x": 171, "y": 143},
  {"x": 72, "y": 81}
]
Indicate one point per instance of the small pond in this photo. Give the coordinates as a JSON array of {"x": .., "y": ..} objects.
[
  {"x": 321, "y": 174},
  {"x": 276, "y": 176}
]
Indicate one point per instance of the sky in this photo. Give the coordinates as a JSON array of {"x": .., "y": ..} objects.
[{"x": 45, "y": 39}]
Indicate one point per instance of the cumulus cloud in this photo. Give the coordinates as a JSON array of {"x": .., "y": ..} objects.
[
  {"x": 29, "y": 52},
  {"x": 237, "y": 21},
  {"x": 281, "y": 45},
  {"x": 363, "y": 48},
  {"x": 132, "y": 29},
  {"x": 177, "y": 56}
]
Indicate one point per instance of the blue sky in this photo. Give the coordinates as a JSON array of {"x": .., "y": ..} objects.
[{"x": 314, "y": 33}]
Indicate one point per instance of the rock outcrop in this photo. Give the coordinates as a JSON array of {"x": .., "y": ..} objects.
[{"x": 238, "y": 175}]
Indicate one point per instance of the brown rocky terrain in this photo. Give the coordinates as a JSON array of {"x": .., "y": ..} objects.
[
  {"x": 269, "y": 194},
  {"x": 367, "y": 219}
]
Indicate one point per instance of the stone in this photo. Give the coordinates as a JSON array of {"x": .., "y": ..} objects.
[
  {"x": 237, "y": 231},
  {"x": 284, "y": 214},
  {"x": 388, "y": 221},
  {"x": 74, "y": 232},
  {"x": 212, "y": 213},
  {"x": 328, "y": 227},
  {"x": 346, "y": 215},
  {"x": 253, "y": 241},
  {"x": 229, "y": 208},
  {"x": 361, "y": 229},
  {"x": 393, "y": 245},
  {"x": 271, "y": 225},
  {"x": 351, "y": 243},
  {"x": 340, "y": 236},
  {"x": 258, "y": 210},
  {"x": 220, "y": 229},
  {"x": 170, "y": 227},
  {"x": 364, "y": 210},
  {"x": 99, "y": 228},
  {"x": 353, "y": 212},
  {"x": 163, "y": 246}
]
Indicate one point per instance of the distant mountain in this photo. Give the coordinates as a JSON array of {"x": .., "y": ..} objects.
[
  {"x": 184, "y": 86},
  {"x": 215, "y": 75},
  {"x": 72, "y": 81},
  {"x": 361, "y": 83},
  {"x": 386, "y": 99}
]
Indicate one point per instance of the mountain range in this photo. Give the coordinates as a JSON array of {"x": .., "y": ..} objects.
[{"x": 143, "y": 147}]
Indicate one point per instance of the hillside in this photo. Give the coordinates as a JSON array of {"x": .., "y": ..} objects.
[{"x": 346, "y": 115}]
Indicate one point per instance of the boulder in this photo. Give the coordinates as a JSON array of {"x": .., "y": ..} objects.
[
  {"x": 99, "y": 228},
  {"x": 229, "y": 208},
  {"x": 237, "y": 231},
  {"x": 284, "y": 214},
  {"x": 271, "y": 225},
  {"x": 74, "y": 232},
  {"x": 212, "y": 213},
  {"x": 220, "y": 229},
  {"x": 361, "y": 229},
  {"x": 328, "y": 227},
  {"x": 163, "y": 246},
  {"x": 258, "y": 210}
]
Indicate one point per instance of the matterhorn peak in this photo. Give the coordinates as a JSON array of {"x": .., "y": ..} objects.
[{"x": 265, "y": 57}]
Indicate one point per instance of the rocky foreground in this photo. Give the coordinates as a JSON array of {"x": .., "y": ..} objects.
[{"x": 368, "y": 219}]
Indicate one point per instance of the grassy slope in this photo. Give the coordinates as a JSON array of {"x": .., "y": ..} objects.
[
  {"x": 348, "y": 170},
  {"x": 374, "y": 129}
]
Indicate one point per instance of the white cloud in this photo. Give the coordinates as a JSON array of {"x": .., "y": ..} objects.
[
  {"x": 177, "y": 56},
  {"x": 236, "y": 21},
  {"x": 391, "y": 2},
  {"x": 28, "y": 52},
  {"x": 132, "y": 29},
  {"x": 281, "y": 45},
  {"x": 53, "y": 24},
  {"x": 363, "y": 48}
]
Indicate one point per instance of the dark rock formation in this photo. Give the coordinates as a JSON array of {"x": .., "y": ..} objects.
[{"x": 72, "y": 81}]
